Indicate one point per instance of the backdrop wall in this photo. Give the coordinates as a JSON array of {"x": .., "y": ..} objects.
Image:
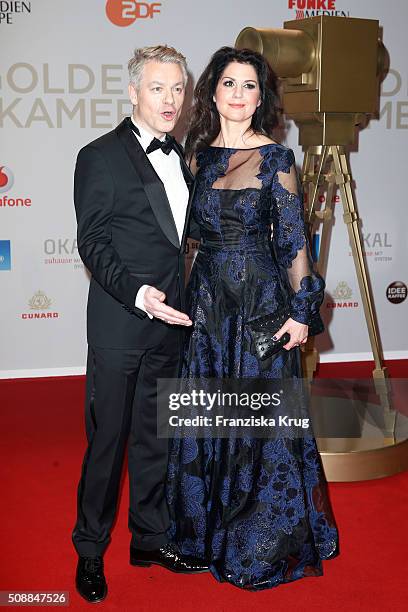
[{"x": 63, "y": 82}]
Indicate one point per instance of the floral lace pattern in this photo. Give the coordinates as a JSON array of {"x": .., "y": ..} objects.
[{"x": 256, "y": 508}]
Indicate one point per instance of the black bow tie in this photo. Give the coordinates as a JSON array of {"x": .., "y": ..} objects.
[{"x": 166, "y": 145}]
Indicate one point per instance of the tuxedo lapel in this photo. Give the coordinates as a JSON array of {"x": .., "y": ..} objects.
[
  {"x": 152, "y": 184},
  {"x": 189, "y": 178},
  {"x": 188, "y": 211}
]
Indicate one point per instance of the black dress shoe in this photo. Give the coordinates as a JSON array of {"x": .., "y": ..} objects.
[
  {"x": 169, "y": 557},
  {"x": 90, "y": 579}
]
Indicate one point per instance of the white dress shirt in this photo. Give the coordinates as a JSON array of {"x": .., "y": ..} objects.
[{"x": 169, "y": 171}]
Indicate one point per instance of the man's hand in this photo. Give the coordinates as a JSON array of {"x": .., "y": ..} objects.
[
  {"x": 154, "y": 305},
  {"x": 297, "y": 331}
]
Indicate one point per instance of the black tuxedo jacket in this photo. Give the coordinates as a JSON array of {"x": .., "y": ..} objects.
[{"x": 126, "y": 238}]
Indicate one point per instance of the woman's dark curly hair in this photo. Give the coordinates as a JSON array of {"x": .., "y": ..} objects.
[{"x": 204, "y": 124}]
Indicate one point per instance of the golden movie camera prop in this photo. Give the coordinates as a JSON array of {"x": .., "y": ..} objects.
[{"x": 331, "y": 69}]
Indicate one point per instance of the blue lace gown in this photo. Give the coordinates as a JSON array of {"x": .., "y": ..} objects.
[{"x": 256, "y": 508}]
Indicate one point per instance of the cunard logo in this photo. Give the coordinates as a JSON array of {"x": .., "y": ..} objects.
[
  {"x": 342, "y": 295},
  {"x": 342, "y": 291},
  {"x": 40, "y": 302},
  {"x": 315, "y": 8}
]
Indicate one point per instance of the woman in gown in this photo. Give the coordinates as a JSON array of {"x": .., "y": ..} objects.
[{"x": 257, "y": 509}]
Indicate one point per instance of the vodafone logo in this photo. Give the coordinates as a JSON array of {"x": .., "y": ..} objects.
[
  {"x": 123, "y": 13},
  {"x": 6, "y": 183},
  {"x": 6, "y": 179}
]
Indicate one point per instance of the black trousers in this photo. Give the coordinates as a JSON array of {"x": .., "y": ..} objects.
[{"x": 120, "y": 409}]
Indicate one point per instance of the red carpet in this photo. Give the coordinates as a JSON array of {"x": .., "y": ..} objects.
[{"x": 41, "y": 452}]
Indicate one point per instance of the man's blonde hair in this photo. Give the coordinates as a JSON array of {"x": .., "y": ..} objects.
[{"x": 159, "y": 53}]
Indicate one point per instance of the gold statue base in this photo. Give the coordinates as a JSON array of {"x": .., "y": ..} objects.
[
  {"x": 362, "y": 464},
  {"x": 379, "y": 447}
]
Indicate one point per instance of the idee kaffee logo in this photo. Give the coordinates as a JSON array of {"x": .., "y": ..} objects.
[
  {"x": 123, "y": 13},
  {"x": 397, "y": 292}
]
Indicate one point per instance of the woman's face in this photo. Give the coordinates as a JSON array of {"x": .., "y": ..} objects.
[{"x": 237, "y": 95}]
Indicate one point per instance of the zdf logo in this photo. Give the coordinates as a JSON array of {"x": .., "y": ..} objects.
[
  {"x": 6, "y": 179},
  {"x": 125, "y": 12}
]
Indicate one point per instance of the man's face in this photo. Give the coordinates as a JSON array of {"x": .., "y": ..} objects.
[{"x": 158, "y": 101}]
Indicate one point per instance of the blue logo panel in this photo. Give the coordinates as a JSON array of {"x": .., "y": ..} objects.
[
  {"x": 315, "y": 247},
  {"x": 5, "y": 255}
]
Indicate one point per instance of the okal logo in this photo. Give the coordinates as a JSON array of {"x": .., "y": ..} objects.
[
  {"x": 62, "y": 251},
  {"x": 342, "y": 295},
  {"x": 6, "y": 183},
  {"x": 377, "y": 245},
  {"x": 5, "y": 255},
  {"x": 125, "y": 12},
  {"x": 314, "y": 8},
  {"x": 6, "y": 179},
  {"x": 396, "y": 292},
  {"x": 40, "y": 302}
]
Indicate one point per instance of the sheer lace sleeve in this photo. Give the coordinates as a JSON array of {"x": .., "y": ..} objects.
[{"x": 291, "y": 243}]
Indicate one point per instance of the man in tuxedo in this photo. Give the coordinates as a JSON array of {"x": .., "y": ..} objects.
[{"x": 131, "y": 199}]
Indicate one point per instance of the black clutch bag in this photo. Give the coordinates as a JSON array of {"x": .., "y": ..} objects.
[{"x": 263, "y": 329}]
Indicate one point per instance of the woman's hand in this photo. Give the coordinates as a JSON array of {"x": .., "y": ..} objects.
[{"x": 298, "y": 333}]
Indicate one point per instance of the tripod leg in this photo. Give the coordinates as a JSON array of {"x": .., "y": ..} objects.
[
  {"x": 308, "y": 177},
  {"x": 311, "y": 181},
  {"x": 326, "y": 215},
  {"x": 352, "y": 220},
  {"x": 317, "y": 180}
]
